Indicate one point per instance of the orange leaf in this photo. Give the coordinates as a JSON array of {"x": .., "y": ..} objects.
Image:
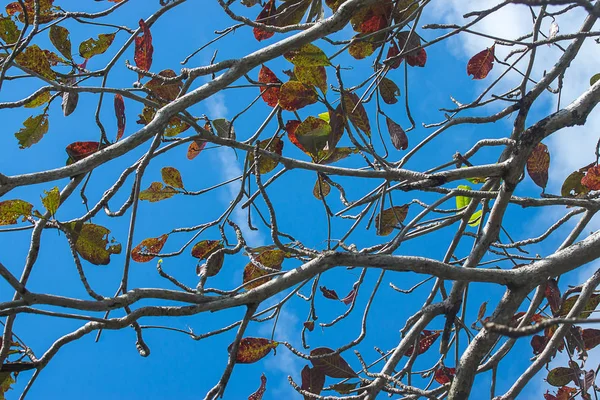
[
  {"x": 264, "y": 17},
  {"x": 538, "y": 164},
  {"x": 481, "y": 63},
  {"x": 391, "y": 218},
  {"x": 150, "y": 245},
  {"x": 143, "y": 48},
  {"x": 194, "y": 149},
  {"x": 591, "y": 180},
  {"x": 253, "y": 349}
]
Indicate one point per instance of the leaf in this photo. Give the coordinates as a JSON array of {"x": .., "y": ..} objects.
[
  {"x": 553, "y": 31},
  {"x": 591, "y": 338},
  {"x": 311, "y": 136},
  {"x": 38, "y": 100},
  {"x": 313, "y": 380},
  {"x": 444, "y": 375},
  {"x": 322, "y": 188},
  {"x": 46, "y": 13},
  {"x": 267, "y": 164},
  {"x": 553, "y": 296},
  {"x": 372, "y": 18},
  {"x": 224, "y": 128},
  {"x": 294, "y": 95},
  {"x": 310, "y": 325},
  {"x": 91, "y": 242},
  {"x": 34, "y": 128},
  {"x": 172, "y": 177},
  {"x": 270, "y": 94},
  {"x": 265, "y": 17},
  {"x": 120, "y": 114},
  {"x": 388, "y": 90},
  {"x": 253, "y": 349},
  {"x": 80, "y": 150},
  {"x": 538, "y": 343},
  {"x": 59, "y": 37},
  {"x": 349, "y": 297},
  {"x": 591, "y": 180},
  {"x": 9, "y": 32},
  {"x": 397, "y": 134},
  {"x": 307, "y": 55},
  {"x": 269, "y": 258},
  {"x": 393, "y": 51},
  {"x": 93, "y": 47},
  {"x": 360, "y": 49},
  {"x": 143, "y": 49},
  {"x": 333, "y": 366},
  {"x": 538, "y": 164},
  {"x": 426, "y": 339},
  {"x": 203, "y": 250},
  {"x": 328, "y": 293},
  {"x": 481, "y": 63},
  {"x": 390, "y": 218},
  {"x": 165, "y": 90},
  {"x": 338, "y": 154},
  {"x": 258, "y": 395},
  {"x": 69, "y": 102},
  {"x": 588, "y": 382},
  {"x": 36, "y": 60},
  {"x": 475, "y": 219},
  {"x": 356, "y": 112},
  {"x": 405, "y": 11},
  {"x": 195, "y": 148},
  {"x": 463, "y": 201},
  {"x": 156, "y": 192},
  {"x": 344, "y": 388},
  {"x": 312, "y": 76},
  {"x": 594, "y": 79},
  {"x": 150, "y": 245},
  {"x": 590, "y": 306},
  {"x": 11, "y": 210},
  {"x": 572, "y": 186},
  {"x": 410, "y": 43},
  {"x": 175, "y": 126},
  {"x": 560, "y": 376},
  {"x": 6, "y": 381},
  {"x": 482, "y": 309},
  {"x": 51, "y": 200}
]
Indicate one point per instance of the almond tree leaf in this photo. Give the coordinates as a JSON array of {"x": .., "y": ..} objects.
[
  {"x": 120, "y": 114},
  {"x": 410, "y": 43},
  {"x": 36, "y": 60},
  {"x": 46, "y": 13},
  {"x": 397, "y": 134},
  {"x": 338, "y": 126},
  {"x": 92, "y": 243},
  {"x": 195, "y": 148},
  {"x": 426, "y": 339},
  {"x": 475, "y": 219},
  {"x": 80, "y": 150},
  {"x": 481, "y": 63},
  {"x": 553, "y": 296},
  {"x": 291, "y": 127},
  {"x": 588, "y": 381},
  {"x": 344, "y": 388},
  {"x": 553, "y": 30},
  {"x": 322, "y": 188},
  {"x": 157, "y": 192},
  {"x": 51, "y": 200},
  {"x": 312, "y": 76},
  {"x": 205, "y": 248},
  {"x": 93, "y": 47},
  {"x": 594, "y": 79},
  {"x": 34, "y": 128},
  {"x": 393, "y": 51},
  {"x": 150, "y": 245},
  {"x": 339, "y": 153},
  {"x": 444, "y": 375},
  {"x": 591, "y": 180},
  {"x": 392, "y": 217},
  {"x": 6, "y": 381},
  {"x": 269, "y": 258},
  {"x": 372, "y": 18},
  {"x": 538, "y": 164},
  {"x": 310, "y": 325},
  {"x": 591, "y": 338},
  {"x": 463, "y": 201},
  {"x": 538, "y": 343},
  {"x": 356, "y": 112},
  {"x": 172, "y": 177},
  {"x": 165, "y": 90},
  {"x": 294, "y": 95},
  {"x": 560, "y": 376},
  {"x": 143, "y": 49},
  {"x": 253, "y": 349},
  {"x": 349, "y": 297},
  {"x": 405, "y": 11},
  {"x": 270, "y": 94},
  {"x": 290, "y": 12},
  {"x": 266, "y": 164},
  {"x": 482, "y": 309},
  {"x": 312, "y": 136},
  {"x": 417, "y": 60},
  {"x": 175, "y": 126},
  {"x": 360, "y": 49},
  {"x": 11, "y": 210},
  {"x": 313, "y": 380},
  {"x": 9, "y": 32},
  {"x": 59, "y": 37},
  {"x": 572, "y": 186},
  {"x": 328, "y": 293},
  {"x": 224, "y": 128},
  {"x": 565, "y": 393},
  {"x": 38, "y": 100},
  {"x": 307, "y": 55},
  {"x": 389, "y": 91},
  {"x": 590, "y": 306},
  {"x": 69, "y": 102},
  {"x": 258, "y": 395},
  {"x": 333, "y": 366},
  {"x": 265, "y": 17}
]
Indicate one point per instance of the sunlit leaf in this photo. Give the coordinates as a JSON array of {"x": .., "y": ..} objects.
[
  {"x": 12, "y": 210},
  {"x": 397, "y": 134},
  {"x": 51, "y": 200},
  {"x": 195, "y": 148},
  {"x": 143, "y": 48},
  {"x": 165, "y": 90},
  {"x": 38, "y": 100},
  {"x": 80, "y": 150},
  {"x": 322, "y": 188},
  {"x": 572, "y": 186},
  {"x": 307, "y": 55},
  {"x": 253, "y": 349},
  {"x": 481, "y": 63},
  {"x": 172, "y": 177},
  {"x": 360, "y": 49},
  {"x": 333, "y": 366},
  {"x": 538, "y": 164},
  {"x": 6, "y": 381},
  {"x": 444, "y": 375},
  {"x": 92, "y": 243},
  {"x": 372, "y": 18},
  {"x": 265, "y": 17},
  {"x": 157, "y": 192},
  {"x": 267, "y": 164},
  {"x": 294, "y": 95},
  {"x": 591, "y": 180},
  {"x": 270, "y": 94},
  {"x": 46, "y": 11},
  {"x": 356, "y": 112},
  {"x": 59, "y": 37},
  {"x": 463, "y": 201},
  {"x": 175, "y": 126},
  {"x": 315, "y": 76},
  {"x": 475, "y": 219},
  {"x": 313, "y": 380},
  {"x": 36, "y": 60},
  {"x": 349, "y": 297},
  {"x": 392, "y": 217},
  {"x": 93, "y": 47},
  {"x": 560, "y": 376},
  {"x": 9, "y": 32},
  {"x": 258, "y": 395},
  {"x": 271, "y": 259},
  {"x": 426, "y": 339},
  {"x": 150, "y": 245},
  {"x": 34, "y": 128}
]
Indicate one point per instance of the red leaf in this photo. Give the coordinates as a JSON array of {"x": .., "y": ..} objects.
[
  {"x": 310, "y": 325},
  {"x": 591, "y": 338},
  {"x": 426, "y": 339},
  {"x": 195, "y": 148},
  {"x": 80, "y": 150},
  {"x": 290, "y": 128},
  {"x": 417, "y": 60},
  {"x": 481, "y": 63},
  {"x": 120, "y": 114},
  {"x": 408, "y": 43},
  {"x": 143, "y": 48},
  {"x": 393, "y": 52},
  {"x": 591, "y": 180},
  {"x": 253, "y": 349},
  {"x": 294, "y": 95},
  {"x": 329, "y": 294},
  {"x": 258, "y": 395},
  {"x": 538, "y": 164},
  {"x": 553, "y": 296},
  {"x": 264, "y": 17},
  {"x": 270, "y": 94},
  {"x": 538, "y": 343},
  {"x": 349, "y": 297},
  {"x": 150, "y": 245},
  {"x": 444, "y": 375}
]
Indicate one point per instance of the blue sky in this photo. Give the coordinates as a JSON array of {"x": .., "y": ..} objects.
[{"x": 179, "y": 367}]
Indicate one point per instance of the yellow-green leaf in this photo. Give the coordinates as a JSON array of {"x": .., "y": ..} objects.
[
  {"x": 38, "y": 100},
  {"x": 308, "y": 55},
  {"x": 34, "y": 128},
  {"x": 11, "y": 210},
  {"x": 35, "y": 59},
  {"x": 93, "y": 47},
  {"x": 172, "y": 177},
  {"x": 463, "y": 201},
  {"x": 51, "y": 200},
  {"x": 92, "y": 244},
  {"x": 156, "y": 192},
  {"x": 314, "y": 76},
  {"x": 9, "y": 32},
  {"x": 59, "y": 37}
]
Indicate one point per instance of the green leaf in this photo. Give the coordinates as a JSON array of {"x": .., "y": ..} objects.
[
  {"x": 590, "y": 306},
  {"x": 38, "y": 100},
  {"x": 91, "y": 242},
  {"x": 156, "y": 192},
  {"x": 224, "y": 128},
  {"x": 560, "y": 376},
  {"x": 594, "y": 79},
  {"x": 59, "y": 37},
  {"x": 34, "y": 128},
  {"x": 9, "y": 32},
  {"x": 36, "y": 60},
  {"x": 475, "y": 219},
  {"x": 312, "y": 134},
  {"x": 11, "y": 210},
  {"x": 93, "y": 47},
  {"x": 463, "y": 201},
  {"x": 172, "y": 177},
  {"x": 6, "y": 380},
  {"x": 572, "y": 186},
  {"x": 267, "y": 164},
  {"x": 51, "y": 200},
  {"x": 312, "y": 76},
  {"x": 325, "y": 116},
  {"x": 308, "y": 55}
]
